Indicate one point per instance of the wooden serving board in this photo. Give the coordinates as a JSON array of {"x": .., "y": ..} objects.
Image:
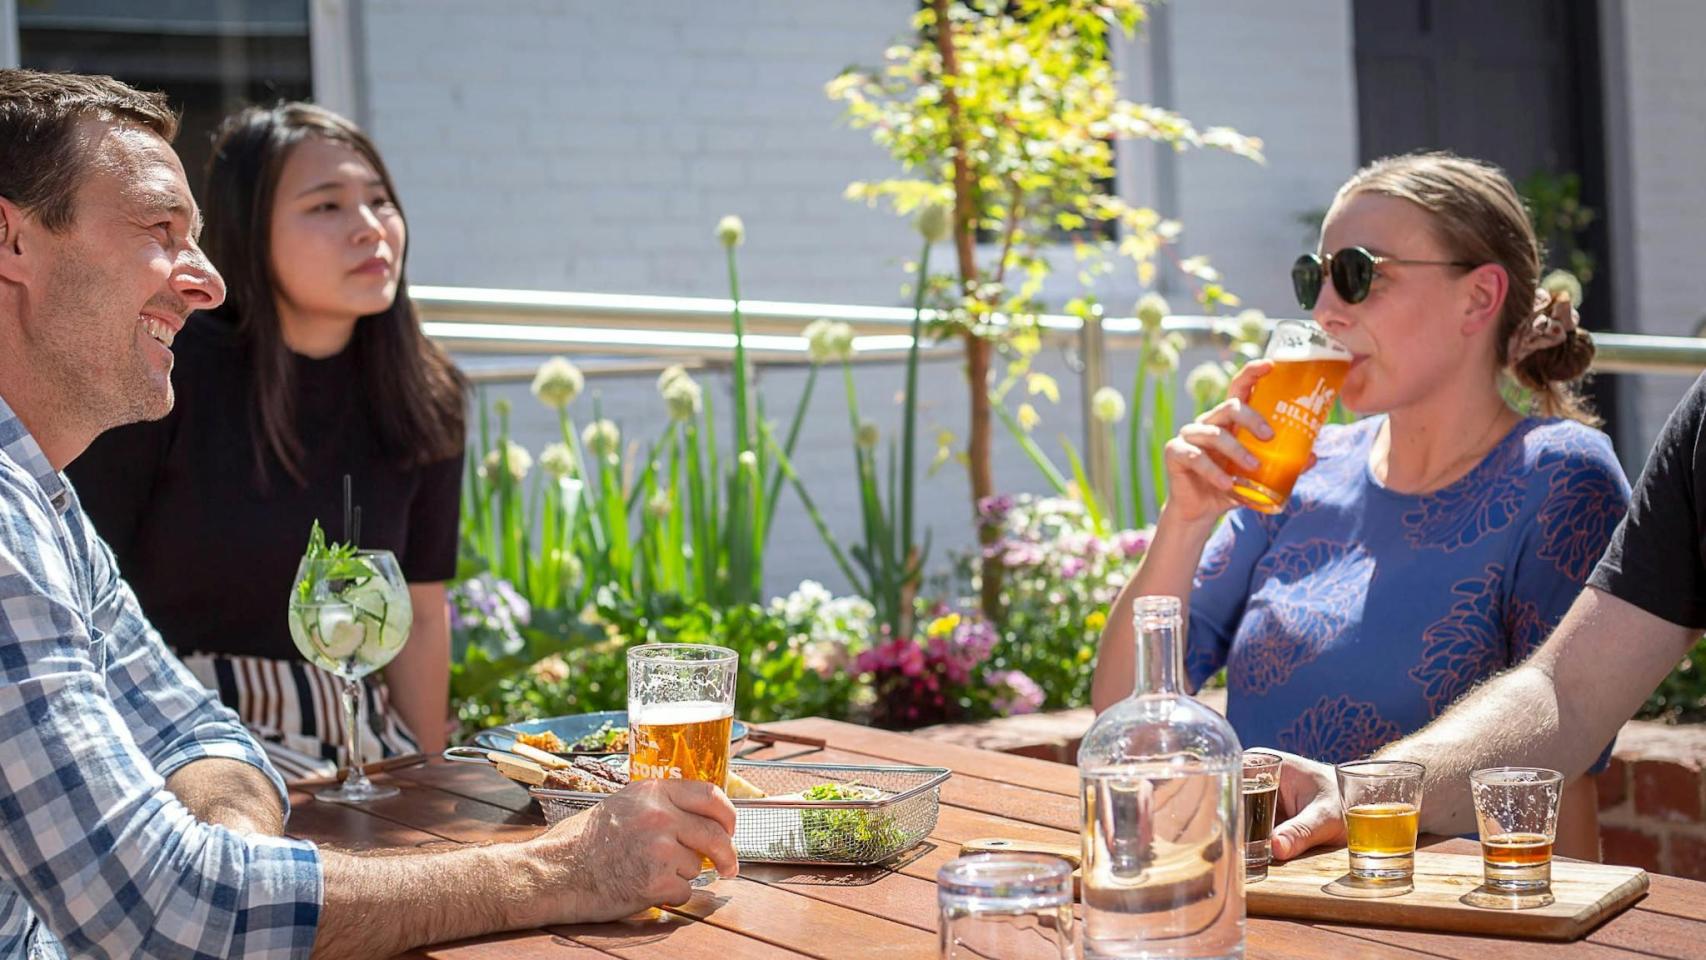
[{"x": 1585, "y": 894}]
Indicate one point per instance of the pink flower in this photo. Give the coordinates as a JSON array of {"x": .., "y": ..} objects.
[{"x": 1022, "y": 695}]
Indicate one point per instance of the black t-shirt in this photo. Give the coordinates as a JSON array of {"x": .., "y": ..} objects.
[
  {"x": 209, "y": 552},
  {"x": 1657, "y": 556}
]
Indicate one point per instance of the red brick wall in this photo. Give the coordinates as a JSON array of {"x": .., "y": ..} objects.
[{"x": 1651, "y": 801}]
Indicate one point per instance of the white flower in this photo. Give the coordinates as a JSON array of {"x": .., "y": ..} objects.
[
  {"x": 1563, "y": 281},
  {"x": 828, "y": 340},
  {"x": 1206, "y": 383},
  {"x": 558, "y": 383},
  {"x": 669, "y": 375},
  {"x": 1162, "y": 357},
  {"x": 868, "y": 434},
  {"x": 1108, "y": 405},
  {"x": 683, "y": 396},
  {"x": 731, "y": 231},
  {"x": 557, "y": 460},
  {"x": 515, "y": 459},
  {"x": 659, "y": 506},
  {"x": 748, "y": 460},
  {"x": 1252, "y": 327},
  {"x": 933, "y": 222},
  {"x": 1151, "y": 310},
  {"x": 602, "y": 438}
]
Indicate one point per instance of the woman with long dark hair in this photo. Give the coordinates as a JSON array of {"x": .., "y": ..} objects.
[{"x": 314, "y": 368}]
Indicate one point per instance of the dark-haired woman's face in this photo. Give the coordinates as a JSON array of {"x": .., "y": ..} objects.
[{"x": 337, "y": 236}]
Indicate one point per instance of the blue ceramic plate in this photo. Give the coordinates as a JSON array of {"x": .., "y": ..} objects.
[{"x": 569, "y": 729}]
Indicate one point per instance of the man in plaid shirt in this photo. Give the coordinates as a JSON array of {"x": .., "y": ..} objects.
[{"x": 137, "y": 817}]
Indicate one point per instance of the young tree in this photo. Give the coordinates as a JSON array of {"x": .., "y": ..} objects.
[{"x": 1006, "y": 112}]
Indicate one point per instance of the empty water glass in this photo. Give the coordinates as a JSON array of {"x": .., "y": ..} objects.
[{"x": 1007, "y": 905}]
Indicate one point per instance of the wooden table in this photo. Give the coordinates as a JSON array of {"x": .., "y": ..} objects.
[{"x": 774, "y": 911}]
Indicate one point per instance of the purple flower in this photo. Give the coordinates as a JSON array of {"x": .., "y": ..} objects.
[
  {"x": 1131, "y": 543},
  {"x": 991, "y": 511},
  {"x": 1071, "y": 567}
]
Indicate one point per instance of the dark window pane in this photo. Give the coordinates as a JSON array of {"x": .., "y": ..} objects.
[{"x": 208, "y": 56}]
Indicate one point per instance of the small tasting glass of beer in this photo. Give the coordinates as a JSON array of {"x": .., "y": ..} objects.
[
  {"x": 1517, "y": 811},
  {"x": 1295, "y": 397},
  {"x": 681, "y": 707},
  {"x": 1261, "y": 790},
  {"x": 1382, "y": 803}
]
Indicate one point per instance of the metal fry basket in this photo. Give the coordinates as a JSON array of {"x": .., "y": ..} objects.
[{"x": 897, "y": 811}]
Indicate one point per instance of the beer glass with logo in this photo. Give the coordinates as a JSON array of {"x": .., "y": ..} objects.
[
  {"x": 1516, "y": 809},
  {"x": 1382, "y": 805},
  {"x": 1295, "y": 397},
  {"x": 681, "y": 706}
]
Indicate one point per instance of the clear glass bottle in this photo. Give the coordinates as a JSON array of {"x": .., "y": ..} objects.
[{"x": 1161, "y": 778}]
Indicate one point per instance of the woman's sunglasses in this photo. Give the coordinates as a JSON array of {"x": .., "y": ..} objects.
[{"x": 1352, "y": 270}]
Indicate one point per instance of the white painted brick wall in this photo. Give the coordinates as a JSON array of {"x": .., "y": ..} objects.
[
  {"x": 593, "y": 146},
  {"x": 1284, "y": 72}
]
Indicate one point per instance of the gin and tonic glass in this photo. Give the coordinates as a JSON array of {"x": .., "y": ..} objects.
[{"x": 350, "y": 615}]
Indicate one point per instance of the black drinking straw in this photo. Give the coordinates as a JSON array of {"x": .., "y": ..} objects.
[
  {"x": 347, "y": 499},
  {"x": 355, "y": 534}
]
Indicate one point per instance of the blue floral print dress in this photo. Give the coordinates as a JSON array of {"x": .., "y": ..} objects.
[{"x": 1358, "y": 614}]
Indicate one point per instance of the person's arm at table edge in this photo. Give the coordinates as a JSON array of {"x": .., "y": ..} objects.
[
  {"x": 1556, "y": 709},
  {"x": 229, "y": 793},
  {"x": 634, "y": 850}
]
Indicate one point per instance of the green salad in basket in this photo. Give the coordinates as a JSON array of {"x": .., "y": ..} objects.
[{"x": 830, "y": 833}]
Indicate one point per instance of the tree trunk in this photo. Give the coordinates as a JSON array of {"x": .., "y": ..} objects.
[{"x": 977, "y": 349}]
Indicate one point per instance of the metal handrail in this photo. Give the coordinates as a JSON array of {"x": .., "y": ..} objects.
[
  {"x": 481, "y": 320},
  {"x": 696, "y": 330}
]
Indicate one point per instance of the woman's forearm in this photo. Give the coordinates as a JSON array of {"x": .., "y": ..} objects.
[{"x": 1168, "y": 568}]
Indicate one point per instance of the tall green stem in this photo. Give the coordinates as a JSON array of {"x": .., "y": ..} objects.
[{"x": 910, "y": 430}]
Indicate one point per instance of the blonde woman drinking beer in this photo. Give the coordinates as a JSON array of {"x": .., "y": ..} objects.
[{"x": 1432, "y": 543}]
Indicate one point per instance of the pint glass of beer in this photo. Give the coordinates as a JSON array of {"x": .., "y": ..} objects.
[
  {"x": 1516, "y": 809},
  {"x": 1295, "y": 397},
  {"x": 681, "y": 706}
]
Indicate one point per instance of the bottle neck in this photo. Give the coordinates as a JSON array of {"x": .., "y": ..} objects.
[{"x": 1160, "y": 654}]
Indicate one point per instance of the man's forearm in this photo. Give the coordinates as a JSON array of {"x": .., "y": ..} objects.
[
  {"x": 1558, "y": 709},
  {"x": 229, "y": 793},
  {"x": 1512, "y": 719},
  {"x": 382, "y": 906}
]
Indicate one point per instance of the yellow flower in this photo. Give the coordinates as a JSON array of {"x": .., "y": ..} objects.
[
  {"x": 1044, "y": 384},
  {"x": 1028, "y": 418},
  {"x": 943, "y": 626},
  {"x": 1096, "y": 620}
]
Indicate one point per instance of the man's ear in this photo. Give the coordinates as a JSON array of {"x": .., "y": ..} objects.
[{"x": 15, "y": 265}]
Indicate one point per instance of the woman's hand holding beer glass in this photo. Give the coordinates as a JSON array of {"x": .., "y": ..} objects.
[
  {"x": 1199, "y": 483},
  {"x": 1250, "y": 449}
]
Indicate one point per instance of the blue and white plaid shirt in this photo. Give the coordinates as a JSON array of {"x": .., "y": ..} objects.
[{"x": 97, "y": 858}]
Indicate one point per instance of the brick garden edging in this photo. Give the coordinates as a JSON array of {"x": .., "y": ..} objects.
[{"x": 1652, "y": 799}]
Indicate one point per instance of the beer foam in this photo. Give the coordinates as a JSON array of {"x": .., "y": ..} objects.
[
  {"x": 1293, "y": 342},
  {"x": 686, "y": 711}
]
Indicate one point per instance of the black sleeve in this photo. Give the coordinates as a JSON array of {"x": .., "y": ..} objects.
[
  {"x": 1655, "y": 559},
  {"x": 115, "y": 480},
  {"x": 430, "y": 556}
]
